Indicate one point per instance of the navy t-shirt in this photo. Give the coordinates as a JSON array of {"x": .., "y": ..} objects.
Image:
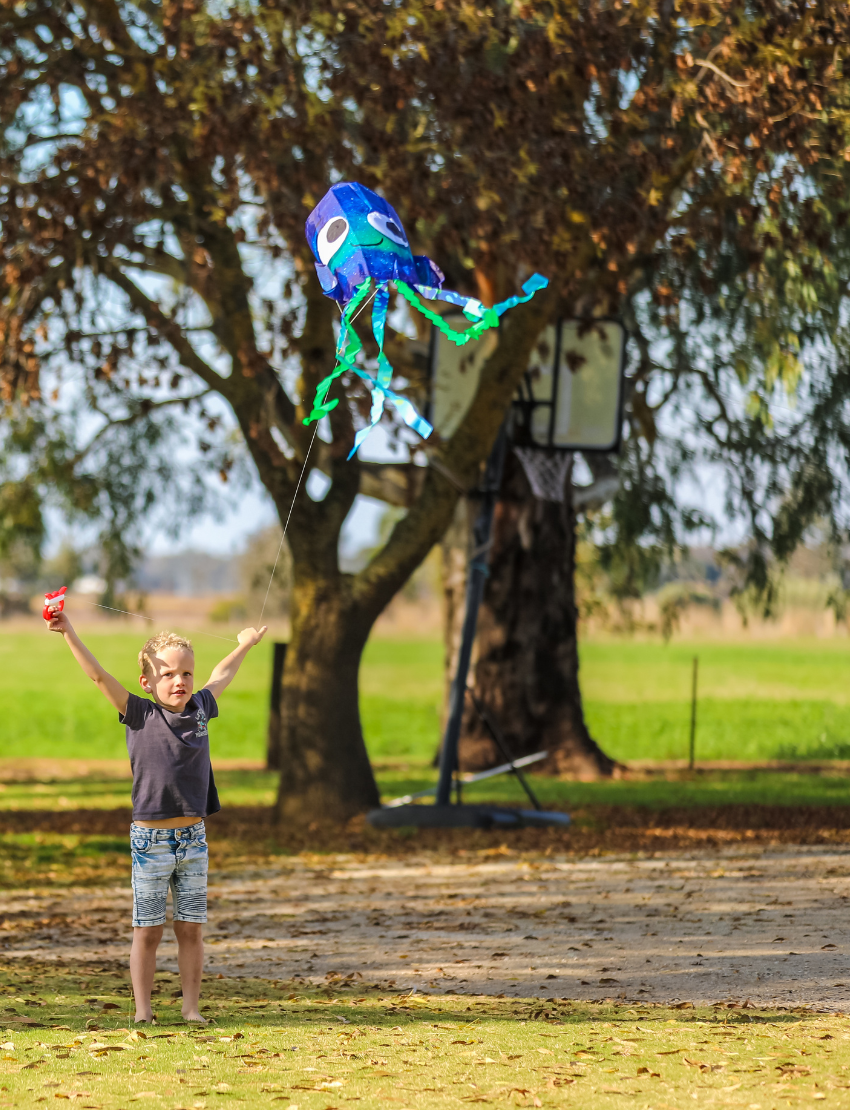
[{"x": 170, "y": 757}]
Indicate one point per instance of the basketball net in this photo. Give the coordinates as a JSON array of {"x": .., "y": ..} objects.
[{"x": 546, "y": 471}]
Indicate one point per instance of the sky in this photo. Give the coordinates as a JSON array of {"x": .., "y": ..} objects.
[
  {"x": 227, "y": 532},
  {"x": 228, "y": 536}
]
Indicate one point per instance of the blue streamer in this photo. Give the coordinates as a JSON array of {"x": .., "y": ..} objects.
[
  {"x": 473, "y": 309},
  {"x": 380, "y": 385},
  {"x": 530, "y": 287}
]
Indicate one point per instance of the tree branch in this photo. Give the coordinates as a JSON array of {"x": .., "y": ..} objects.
[
  {"x": 160, "y": 262},
  {"x": 144, "y": 408},
  {"x": 394, "y": 483},
  {"x": 168, "y": 328},
  {"x": 704, "y": 64}
]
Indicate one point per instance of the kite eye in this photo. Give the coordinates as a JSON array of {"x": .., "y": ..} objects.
[
  {"x": 388, "y": 227},
  {"x": 331, "y": 238}
]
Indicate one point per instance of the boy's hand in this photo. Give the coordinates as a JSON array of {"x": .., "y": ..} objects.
[
  {"x": 224, "y": 673},
  {"x": 59, "y": 623},
  {"x": 250, "y": 637}
]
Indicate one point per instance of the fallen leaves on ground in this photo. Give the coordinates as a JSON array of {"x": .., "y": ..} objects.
[
  {"x": 89, "y": 846},
  {"x": 294, "y": 1050}
]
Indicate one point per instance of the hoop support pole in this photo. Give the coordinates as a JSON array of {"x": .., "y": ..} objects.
[
  {"x": 478, "y": 571},
  {"x": 499, "y": 741}
]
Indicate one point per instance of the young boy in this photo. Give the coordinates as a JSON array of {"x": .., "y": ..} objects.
[{"x": 173, "y": 791}]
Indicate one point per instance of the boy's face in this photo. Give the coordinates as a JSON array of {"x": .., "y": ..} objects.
[{"x": 173, "y": 678}]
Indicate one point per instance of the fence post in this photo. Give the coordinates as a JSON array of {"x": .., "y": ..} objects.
[
  {"x": 273, "y": 736},
  {"x": 692, "y": 745}
]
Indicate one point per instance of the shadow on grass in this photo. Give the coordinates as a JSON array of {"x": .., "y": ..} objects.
[
  {"x": 75, "y": 832},
  {"x": 61, "y": 859},
  {"x": 93, "y": 994},
  {"x": 90, "y": 847}
]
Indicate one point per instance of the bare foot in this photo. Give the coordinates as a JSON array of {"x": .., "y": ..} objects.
[
  {"x": 140, "y": 1019},
  {"x": 195, "y": 1016}
]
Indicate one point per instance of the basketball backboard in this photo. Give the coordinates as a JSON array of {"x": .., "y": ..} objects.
[
  {"x": 571, "y": 396},
  {"x": 455, "y": 373}
]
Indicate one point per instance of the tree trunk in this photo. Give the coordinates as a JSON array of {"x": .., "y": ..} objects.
[
  {"x": 454, "y": 548},
  {"x": 526, "y": 675},
  {"x": 325, "y": 770},
  {"x": 276, "y": 693}
]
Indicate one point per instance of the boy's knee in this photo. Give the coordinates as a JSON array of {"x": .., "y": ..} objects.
[
  {"x": 191, "y": 931},
  {"x": 148, "y": 936}
]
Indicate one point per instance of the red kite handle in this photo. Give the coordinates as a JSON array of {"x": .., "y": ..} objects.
[{"x": 54, "y": 603}]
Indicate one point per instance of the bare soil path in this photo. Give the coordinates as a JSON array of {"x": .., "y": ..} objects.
[{"x": 766, "y": 925}]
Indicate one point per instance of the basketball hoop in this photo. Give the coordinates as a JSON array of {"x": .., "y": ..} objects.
[
  {"x": 571, "y": 397},
  {"x": 546, "y": 471},
  {"x": 571, "y": 400}
]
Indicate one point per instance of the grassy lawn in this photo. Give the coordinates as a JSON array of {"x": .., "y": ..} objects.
[
  {"x": 66, "y": 1037},
  {"x": 51, "y": 711},
  {"x": 64, "y": 1026},
  {"x": 259, "y": 788},
  {"x": 713, "y": 789},
  {"x": 62, "y": 860},
  {"x": 237, "y": 788},
  {"x": 758, "y": 700}
]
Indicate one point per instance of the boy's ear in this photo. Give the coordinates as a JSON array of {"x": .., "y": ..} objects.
[{"x": 145, "y": 684}]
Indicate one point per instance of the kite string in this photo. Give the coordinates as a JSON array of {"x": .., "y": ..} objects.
[
  {"x": 298, "y": 483},
  {"x": 142, "y": 616},
  {"x": 286, "y": 525}
]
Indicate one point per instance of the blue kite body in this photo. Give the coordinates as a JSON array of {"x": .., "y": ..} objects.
[
  {"x": 356, "y": 235},
  {"x": 357, "y": 238}
]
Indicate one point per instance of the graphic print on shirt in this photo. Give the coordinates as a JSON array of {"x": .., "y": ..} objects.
[{"x": 201, "y": 730}]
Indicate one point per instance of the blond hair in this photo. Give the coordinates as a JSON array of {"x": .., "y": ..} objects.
[{"x": 156, "y": 644}]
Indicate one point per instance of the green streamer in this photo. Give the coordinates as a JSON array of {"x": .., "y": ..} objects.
[
  {"x": 490, "y": 319},
  {"x": 321, "y": 407}
]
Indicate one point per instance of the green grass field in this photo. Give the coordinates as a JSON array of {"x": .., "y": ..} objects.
[
  {"x": 758, "y": 700},
  {"x": 259, "y": 788},
  {"x": 50, "y": 710},
  {"x": 66, "y": 1037}
]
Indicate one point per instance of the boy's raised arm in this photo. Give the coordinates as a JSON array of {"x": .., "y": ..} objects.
[
  {"x": 110, "y": 687},
  {"x": 225, "y": 671}
]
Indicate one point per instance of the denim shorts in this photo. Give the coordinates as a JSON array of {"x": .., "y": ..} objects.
[{"x": 169, "y": 857}]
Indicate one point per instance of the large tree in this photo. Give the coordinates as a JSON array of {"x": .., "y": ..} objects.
[
  {"x": 159, "y": 159},
  {"x": 733, "y": 314}
]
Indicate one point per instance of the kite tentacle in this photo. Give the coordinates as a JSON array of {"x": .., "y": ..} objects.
[
  {"x": 347, "y": 347},
  {"x": 529, "y": 288},
  {"x": 489, "y": 320},
  {"x": 380, "y": 385},
  {"x": 489, "y": 317},
  {"x": 473, "y": 309},
  {"x": 385, "y": 371}
]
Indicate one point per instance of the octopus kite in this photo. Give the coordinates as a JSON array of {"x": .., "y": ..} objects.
[{"x": 358, "y": 238}]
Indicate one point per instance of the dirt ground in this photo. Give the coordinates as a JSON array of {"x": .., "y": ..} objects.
[{"x": 765, "y": 925}]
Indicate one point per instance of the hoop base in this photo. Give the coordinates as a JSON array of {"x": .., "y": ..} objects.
[{"x": 463, "y": 817}]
